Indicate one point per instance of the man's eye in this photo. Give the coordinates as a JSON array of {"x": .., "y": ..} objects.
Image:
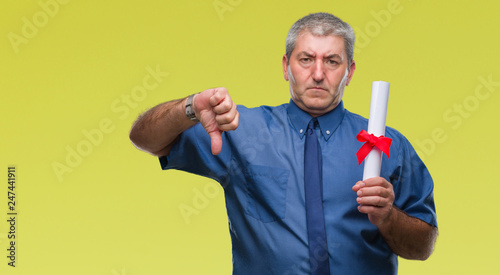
[
  {"x": 305, "y": 59},
  {"x": 332, "y": 62}
]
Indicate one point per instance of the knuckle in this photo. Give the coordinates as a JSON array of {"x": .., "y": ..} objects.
[
  {"x": 213, "y": 101},
  {"x": 234, "y": 124}
]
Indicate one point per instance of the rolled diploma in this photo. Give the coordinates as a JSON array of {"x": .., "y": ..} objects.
[{"x": 376, "y": 126}]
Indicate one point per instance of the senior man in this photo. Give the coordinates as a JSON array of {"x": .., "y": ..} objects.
[{"x": 294, "y": 198}]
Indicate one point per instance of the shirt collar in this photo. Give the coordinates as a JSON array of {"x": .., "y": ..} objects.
[{"x": 328, "y": 122}]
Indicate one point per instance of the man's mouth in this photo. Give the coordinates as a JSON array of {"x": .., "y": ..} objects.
[{"x": 317, "y": 88}]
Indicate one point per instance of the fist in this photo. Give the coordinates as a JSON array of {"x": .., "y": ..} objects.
[
  {"x": 217, "y": 113},
  {"x": 375, "y": 198}
]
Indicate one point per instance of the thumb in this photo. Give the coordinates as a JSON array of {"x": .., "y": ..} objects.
[{"x": 216, "y": 141}]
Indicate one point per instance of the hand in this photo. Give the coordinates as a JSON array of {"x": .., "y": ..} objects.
[
  {"x": 375, "y": 198},
  {"x": 217, "y": 113}
]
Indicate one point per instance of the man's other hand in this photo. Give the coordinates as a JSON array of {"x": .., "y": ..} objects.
[
  {"x": 217, "y": 113},
  {"x": 375, "y": 198}
]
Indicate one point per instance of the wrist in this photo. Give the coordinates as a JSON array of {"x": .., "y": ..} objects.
[{"x": 389, "y": 220}]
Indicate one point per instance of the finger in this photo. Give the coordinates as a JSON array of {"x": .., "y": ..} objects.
[
  {"x": 367, "y": 209},
  {"x": 227, "y": 117},
  {"x": 219, "y": 95},
  {"x": 358, "y": 185},
  {"x": 374, "y": 201},
  {"x": 216, "y": 141},
  {"x": 374, "y": 191},
  {"x": 377, "y": 181},
  {"x": 232, "y": 125},
  {"x": 224, "y": 106}
]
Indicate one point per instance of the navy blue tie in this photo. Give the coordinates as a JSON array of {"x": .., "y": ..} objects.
[{"x": 316, "y": 233}]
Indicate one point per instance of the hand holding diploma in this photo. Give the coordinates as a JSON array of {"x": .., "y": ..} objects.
[
  {"x": 375, "y": 198},
  {"x": 375, "y": 194}
]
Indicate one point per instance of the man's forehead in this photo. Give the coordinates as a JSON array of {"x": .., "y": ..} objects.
[{"x": 310, "y": 43}]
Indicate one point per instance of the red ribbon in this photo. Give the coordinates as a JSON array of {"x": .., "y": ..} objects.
[{"x": 381, "y": 142}]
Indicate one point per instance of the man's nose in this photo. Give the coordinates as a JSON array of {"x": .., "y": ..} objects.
[{"x": 318, "y": 73}]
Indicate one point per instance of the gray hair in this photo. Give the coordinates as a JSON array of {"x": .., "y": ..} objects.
[{"x": 321, "y": 24}]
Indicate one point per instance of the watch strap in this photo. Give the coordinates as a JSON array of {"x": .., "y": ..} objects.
[{"x": 189, "y": 108}]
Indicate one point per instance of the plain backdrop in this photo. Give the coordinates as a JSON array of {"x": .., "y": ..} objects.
[{"x": 74, "y": 75}]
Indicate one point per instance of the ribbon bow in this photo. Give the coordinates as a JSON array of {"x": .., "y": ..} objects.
[{"x": 382, "y": 143}]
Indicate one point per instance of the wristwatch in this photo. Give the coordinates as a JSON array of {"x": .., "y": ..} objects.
[{"x": 189, "y": 109}]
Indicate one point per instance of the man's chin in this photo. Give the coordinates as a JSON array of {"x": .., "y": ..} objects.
[{"x": 319, "y": 108}]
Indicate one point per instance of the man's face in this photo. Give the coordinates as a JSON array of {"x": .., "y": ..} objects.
[{"x": 317, "y": 72}]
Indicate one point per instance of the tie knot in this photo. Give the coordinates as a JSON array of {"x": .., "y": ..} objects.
[{"x": 312, "y": 125}]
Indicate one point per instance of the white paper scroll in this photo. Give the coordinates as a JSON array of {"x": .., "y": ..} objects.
[{"x": 376, "y": 126}]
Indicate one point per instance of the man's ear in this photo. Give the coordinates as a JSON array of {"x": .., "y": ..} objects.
[
  {"x": 285, "y": 67},
  {"x": 351, "y": 72}
]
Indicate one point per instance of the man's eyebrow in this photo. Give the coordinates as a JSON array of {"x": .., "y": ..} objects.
[
  {"x": 334, "y": 55},
  {"x": 308, "y": 54}
]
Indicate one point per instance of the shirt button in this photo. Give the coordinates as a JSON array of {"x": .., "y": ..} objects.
[
  {"x": 301, "y": 131},
  {"x": 327, "y": 132}
]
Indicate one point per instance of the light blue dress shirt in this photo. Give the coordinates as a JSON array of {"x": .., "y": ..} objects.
[{"x": 261, "y": 168}]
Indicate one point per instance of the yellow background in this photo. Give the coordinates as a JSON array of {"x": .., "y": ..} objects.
[{"x": 116, "y": 212}]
